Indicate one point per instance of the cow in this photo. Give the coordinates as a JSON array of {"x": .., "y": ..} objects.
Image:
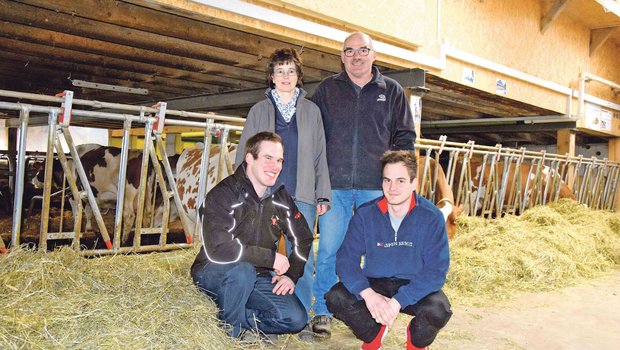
[
  {"x": 188, "y": 176},
  {"x": 101, "y": 165},
  {"x": 435, "y": 180},
  {"x": 188, "y": 170},
  {"x": 528, "y": 182}
]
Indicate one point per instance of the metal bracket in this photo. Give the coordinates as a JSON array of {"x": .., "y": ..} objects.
[
  {"x": 160, "y": 116},
  {"x": 66, "y": 108}
]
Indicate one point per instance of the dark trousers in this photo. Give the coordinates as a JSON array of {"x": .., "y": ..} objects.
[
  {"x": 246, "y": 300},
  {"x": 431, "y": 313}
]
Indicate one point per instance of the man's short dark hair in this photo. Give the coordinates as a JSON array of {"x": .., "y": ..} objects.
[
  {"x": 408, "y": 158},
  {"x": 284, "y": 56},
  {"x": 253, "y": 144}
]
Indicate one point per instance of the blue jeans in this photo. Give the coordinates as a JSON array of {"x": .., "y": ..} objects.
[
  {"x": 246, "y": 300},
  {"x": 303, "y": 288},
  {"x": 333, "y": 227}
]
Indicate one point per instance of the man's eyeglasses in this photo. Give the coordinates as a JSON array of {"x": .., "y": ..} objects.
[
  {"x": 281, "y": 72},
  {"x": 362, "y": 51}
]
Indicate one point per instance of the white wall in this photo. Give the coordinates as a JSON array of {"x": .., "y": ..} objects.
[{"x": 36, "y": 139}]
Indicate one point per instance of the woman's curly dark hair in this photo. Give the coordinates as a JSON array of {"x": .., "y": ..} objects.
[{"x": 283, "y": 56}]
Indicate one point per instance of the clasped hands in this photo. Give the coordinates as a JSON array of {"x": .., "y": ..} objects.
[
  {"x": 284, "y": 284},
  {"x": 383, "y": 309}
]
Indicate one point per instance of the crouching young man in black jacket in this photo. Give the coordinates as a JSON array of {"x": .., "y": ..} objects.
[{"x": 239, "y": 266}]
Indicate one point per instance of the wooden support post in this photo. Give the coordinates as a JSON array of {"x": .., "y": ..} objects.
[
  {"x": 566, "y": 144},
  {"x": 614, "y": 155},
  {"x": 415, "y": 102}
]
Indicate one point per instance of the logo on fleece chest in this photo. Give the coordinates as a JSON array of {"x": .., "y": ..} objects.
[{"x": 394, "y": 244}]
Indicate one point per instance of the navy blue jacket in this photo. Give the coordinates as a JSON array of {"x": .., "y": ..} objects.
[
  {"x": 360, "y": 128},
  {"x": 417, "y": 252}
]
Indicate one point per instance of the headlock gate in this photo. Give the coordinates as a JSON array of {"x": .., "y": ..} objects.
[
  {"x": 492, "y": 181},
  {"x": 152, "y": 119},
  {"x": 487, "y": 181}
]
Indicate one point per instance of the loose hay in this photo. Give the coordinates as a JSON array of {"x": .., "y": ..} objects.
[
  {"x": 545, "y": 248},
  {"x": 61, "y": 300}
]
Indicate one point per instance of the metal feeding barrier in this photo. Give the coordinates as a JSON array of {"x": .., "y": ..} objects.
[
  {"x": 152, "y": 119},
  {"x": 487, "y": 181},
  {"x": 491, "y": 181}
]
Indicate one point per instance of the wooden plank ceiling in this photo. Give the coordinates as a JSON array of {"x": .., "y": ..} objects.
[{"x": 45, "y": 44}]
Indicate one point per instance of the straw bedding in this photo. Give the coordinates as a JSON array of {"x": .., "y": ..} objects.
[{"x": 61, "y": 300}]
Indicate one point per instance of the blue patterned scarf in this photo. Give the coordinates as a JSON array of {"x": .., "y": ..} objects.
[{"x": 288, "y": 109}]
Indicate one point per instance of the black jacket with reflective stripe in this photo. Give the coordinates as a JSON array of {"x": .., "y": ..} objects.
[{"x": 239, "y": 226}]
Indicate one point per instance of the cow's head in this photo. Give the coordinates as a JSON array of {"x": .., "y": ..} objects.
[
  {"x": 450, "y": 213},
  {"x": 39, "y": 178}
]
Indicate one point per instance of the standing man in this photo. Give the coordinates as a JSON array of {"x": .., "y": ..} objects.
[
  {"x": 238, "y": 266},
  {"x": 403, "y": 239},
  {"x": 364, "y": 115}
]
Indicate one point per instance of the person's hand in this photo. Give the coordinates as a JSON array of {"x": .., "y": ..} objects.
[
  {"x": 280, "y": 264},
  {"x": 321, "y": 209},
  {"x": 378, "y": 306},
  {"x": 394, "y": 306},
  {"x": 283, "y": 285}
]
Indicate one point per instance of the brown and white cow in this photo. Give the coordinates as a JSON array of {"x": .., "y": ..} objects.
[
  {"x": 435, "y": 181},
  {"x": 188, "y": 172},
  {"x": 101, "y": 165},
  {"x": 188, "y": 177},
  {"x": 527, "y": 182}
]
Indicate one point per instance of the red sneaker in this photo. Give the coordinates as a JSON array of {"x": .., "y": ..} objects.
[
  {"x": 376, "y": 343},
  {"x": 410, "y": 345}
]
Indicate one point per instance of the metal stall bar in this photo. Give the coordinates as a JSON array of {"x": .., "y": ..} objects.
[
  {"x": 224, "y": 159},
  {"x": 24, "y": 115},
  {"x": 76, "y": 203},
  {"x": 120, "y": 107},
  {"x": 610, "y": 187},
  {"x": 52, "y": 111},
  {"x": 47, "y": 182},
  {"x": 86, "y": 185},
  {"x": 161, "y": 183},
  {"x": 148, "y": 132},
  {"x": 122, "y": 175},
  {"x": 202, "y": 180}
]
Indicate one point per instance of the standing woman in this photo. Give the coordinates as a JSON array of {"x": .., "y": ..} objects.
[{"x": 287, "y": 112}]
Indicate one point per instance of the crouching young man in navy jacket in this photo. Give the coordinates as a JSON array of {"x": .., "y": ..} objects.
[
  {"x": 403, "y": 240},
  {"x": 238, "y": 265}
]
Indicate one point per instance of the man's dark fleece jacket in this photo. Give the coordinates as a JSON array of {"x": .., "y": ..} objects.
[
  {"x": 239, "y": 226},
  {"x": 359, "y": 128}
]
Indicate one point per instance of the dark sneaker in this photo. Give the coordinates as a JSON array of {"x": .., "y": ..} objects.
[
  {"x": 321, "y": 325},
  {"x": 251, "y": 336},
  {"x": 306, "y": 334}
]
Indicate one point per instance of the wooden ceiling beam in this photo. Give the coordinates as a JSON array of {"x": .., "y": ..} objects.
[
  {"x": 464, "y": 103},
  {"x": 599, "y": 36},
  {"x": 483, "y": 98},
  {"x": 455, "y": 89},
  {"x": 56, "y": 76},
  {"x": 136, "y": 16},
  {"x": 70, "y": 24},
  {"x": 70, "y": 69},
  {"x": 448, "y": 111},
  {"x": 72, "y": 56},
  {"x": 552, "y": 13},
  {"x": 220, "y": 72}
]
